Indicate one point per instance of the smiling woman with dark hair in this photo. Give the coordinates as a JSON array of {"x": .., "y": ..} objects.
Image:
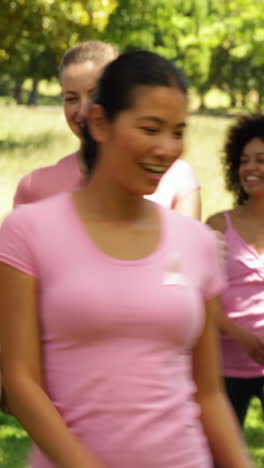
[
  {"x": 242, "y": 319},
  {"x": 108, "y": 299},
  {"x": 246, "y": 129}
]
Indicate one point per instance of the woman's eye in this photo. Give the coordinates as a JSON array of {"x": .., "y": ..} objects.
[
  {"x": 149, "y": 130},
  {"x": 70, "y": 99},
  {"x": 178, "y": 135}
]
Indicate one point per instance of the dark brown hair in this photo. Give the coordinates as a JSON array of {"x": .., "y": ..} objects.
[{"x": 120, "y": 79}]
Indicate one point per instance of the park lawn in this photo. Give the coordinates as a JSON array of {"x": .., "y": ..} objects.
[
  {"x": 31, "y": 138},
  {"x": 14, "y": 443}
]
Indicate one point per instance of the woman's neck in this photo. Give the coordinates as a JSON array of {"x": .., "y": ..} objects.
[
  {"x": 80, "y": 161},
  {"x": 254, "y": 207},
  {"x": 108, "y": 201}
]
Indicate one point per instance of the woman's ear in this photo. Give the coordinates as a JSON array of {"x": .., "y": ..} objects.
[{"x": 97, "y": 123}]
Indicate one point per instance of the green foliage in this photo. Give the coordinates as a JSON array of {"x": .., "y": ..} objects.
[
  {"x": 34, "y": 34},
  {"x": 218, "y": 43},
  {"x": 14, "y": 443}
]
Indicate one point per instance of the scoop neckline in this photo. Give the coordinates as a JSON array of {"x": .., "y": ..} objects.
[
  {"x": 250, "y": 248},
  {"x": 85, "y": 235}
]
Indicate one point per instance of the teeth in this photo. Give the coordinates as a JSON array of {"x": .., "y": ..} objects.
[
  {"x": 152, "y": 168},
  {"x": 252, "y": 178}
]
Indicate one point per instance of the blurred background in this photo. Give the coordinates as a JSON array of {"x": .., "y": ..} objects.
[{"x": 218, "y": 43}]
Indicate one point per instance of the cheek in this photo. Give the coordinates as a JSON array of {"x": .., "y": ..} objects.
[
  {"x": 132, "y": 142},
  {"x": 180, "y": 147},
  {"x": 240, "y": 172},
  {"x": 68, "y": 112}
]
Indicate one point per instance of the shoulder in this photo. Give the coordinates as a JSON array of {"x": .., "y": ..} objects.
[
  {"x": 29, "y": 220},
  {"x": 199, "y": 247},
  {"x": 67, "y": 160},
  {"x": 197, "y": 241},
  {"x": 182, "y": 174},
  {"x": 32, "y": 210},
  {"x": 22, "y": 194},
  {"x": 18, "y": 239},
  {"x": 16, "y": 229},
  {"x": 193, "y": 231},
  {"x": 176, "y": 183},
  {"x": 181, "y": 167},
  {"x": 217, "y": 221},
  {"x": 29, "y": 187}
]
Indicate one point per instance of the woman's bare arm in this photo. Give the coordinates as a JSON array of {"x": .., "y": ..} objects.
[
  {"x": 22, "y": 373},
  {"x": 219, "y": 421}
]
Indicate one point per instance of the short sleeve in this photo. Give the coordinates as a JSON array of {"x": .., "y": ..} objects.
[
  {"x": 215, "y": 277},
  {"x": 176, "y": 183},
  {"x": 185, "y": 180},
  {"x": 22, "y": 194},
  {"x": 16, "y": 240}
]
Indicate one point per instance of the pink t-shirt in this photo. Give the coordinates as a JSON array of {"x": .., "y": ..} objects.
[
  {"x": 116, "y": 335},
  {"x": 42, "y": 183},
  {"x": 243, "y": 301},
  {"x": 66, "y": 176}
]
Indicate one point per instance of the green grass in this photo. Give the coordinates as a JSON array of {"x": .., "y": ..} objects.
[
  {"x": 255, "y": 433},
  {"x": 14, "y": 443},
  {"x": 31, "y": 138}
]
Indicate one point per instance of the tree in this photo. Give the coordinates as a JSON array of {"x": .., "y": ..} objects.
[{"x": 34, "y": 34}]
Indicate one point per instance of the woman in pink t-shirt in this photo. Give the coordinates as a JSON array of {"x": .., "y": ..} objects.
[
  {"x": 242, "y": 322},
  {"x": 79, "y": 71},
  {"x": 80, "y": 68},
  {"x": 109, "y": 351}
]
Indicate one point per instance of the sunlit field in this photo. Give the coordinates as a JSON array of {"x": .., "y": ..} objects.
[
  {"x": 31, "y": 138},
  {"x": 37, "y": 137}
]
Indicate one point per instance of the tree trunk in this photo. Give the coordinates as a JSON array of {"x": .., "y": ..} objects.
[
  {"x": 233, "y": 99},
  {"x": 259, "y": 102},
  {"x": 202, "y": 102},
  {"x": 17, "y": 93},
  {"x": 32, "y": 99}
]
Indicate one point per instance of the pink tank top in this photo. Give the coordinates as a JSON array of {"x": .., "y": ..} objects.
[{"x": 243, "y": 301}]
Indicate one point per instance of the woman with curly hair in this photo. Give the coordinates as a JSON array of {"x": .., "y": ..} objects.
[{"x": 242, "y": 318}]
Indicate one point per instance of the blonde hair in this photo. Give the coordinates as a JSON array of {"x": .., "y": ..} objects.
[{"x": 98, "y": 52}]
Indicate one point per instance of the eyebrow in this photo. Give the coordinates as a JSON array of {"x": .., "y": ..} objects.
[
  {"x": 259, "y": 153},
  {"x": 159, "y": 121},
  {"x": 68, "y": 91}
]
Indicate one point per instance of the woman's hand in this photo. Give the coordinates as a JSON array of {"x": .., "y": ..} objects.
[
  {"x": 252, "y": 344},
  {"x": 222, "y": 248}
]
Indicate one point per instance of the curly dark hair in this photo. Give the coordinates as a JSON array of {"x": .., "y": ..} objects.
[{"x": 245, "y": 129}]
